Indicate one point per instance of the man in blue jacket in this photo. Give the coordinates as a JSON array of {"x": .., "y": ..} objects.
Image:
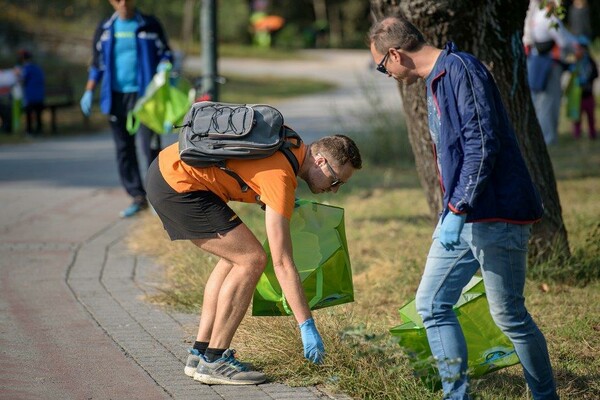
[
  {"x": 489, "y": 204},
  {"x": 128, "y": 49}
]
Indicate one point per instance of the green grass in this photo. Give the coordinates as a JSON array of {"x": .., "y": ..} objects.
[
  {"x": 267, "y": 89},
  {"x": 239, "y": 51},
  {"x": 389, "y": 232}
]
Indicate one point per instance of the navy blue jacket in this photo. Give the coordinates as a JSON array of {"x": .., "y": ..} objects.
[
  {"x": 482, "y": 172},
  {"x": 34, "y": 83},
  {"x": 152, "y": 47}
]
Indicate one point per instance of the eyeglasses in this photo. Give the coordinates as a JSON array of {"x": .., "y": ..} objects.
[
  {"x": 336, "y": 181},
  {"x": 381, "y": 66}
]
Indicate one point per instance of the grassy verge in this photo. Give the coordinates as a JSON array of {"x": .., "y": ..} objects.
[
  {"x": 389, "y": 231},
  {"x": 267, "y": 89}
]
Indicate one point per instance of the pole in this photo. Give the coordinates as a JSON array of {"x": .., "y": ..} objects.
[{"x": 208, "y": 37}]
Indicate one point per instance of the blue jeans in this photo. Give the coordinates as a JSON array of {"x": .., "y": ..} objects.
[
  {"x": 547, "y": 105},
  {"x": 500, "y": 250}
]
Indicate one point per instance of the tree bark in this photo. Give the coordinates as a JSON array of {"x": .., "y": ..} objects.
[{"x": 492, "y": 31}]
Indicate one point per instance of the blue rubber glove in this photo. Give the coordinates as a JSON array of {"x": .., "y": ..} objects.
[
  {"x": 312, "y": 342},
  {"x": 86, "y": 102},
  {"x": 163, "y": 66},
  {"x": 167, "y": 127},
  {"x": 450, "y": 230}
]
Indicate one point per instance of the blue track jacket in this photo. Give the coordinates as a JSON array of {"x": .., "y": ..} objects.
[
  {"x": 152, "y": 48},
  {"x": 482, "y": 172}
]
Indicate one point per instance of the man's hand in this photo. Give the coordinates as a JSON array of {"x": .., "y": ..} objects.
[
  {"x": 86, "y": 102},
  {"x": 163, "y": 66},
  {"x": 450, "y": 230},
  {"x": 312, "y": 342}
]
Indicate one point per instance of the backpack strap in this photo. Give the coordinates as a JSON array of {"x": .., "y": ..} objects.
[
  {"x": 240, "y": 181},
  {"x": 292, "y": 140}
]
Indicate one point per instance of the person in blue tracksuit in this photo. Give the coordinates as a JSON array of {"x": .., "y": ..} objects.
[
  {"x": 489, "y": 204},
  {"x": 128, "y": 49},
  {"x": 33, "y": 81}
]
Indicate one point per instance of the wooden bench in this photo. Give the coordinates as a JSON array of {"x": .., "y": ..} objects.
[{"x": 58, "y": 96}]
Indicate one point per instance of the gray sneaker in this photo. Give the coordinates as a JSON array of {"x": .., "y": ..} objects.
[
  {"x": 192, "y": 362},
  {"x": 227, "y": 371}
]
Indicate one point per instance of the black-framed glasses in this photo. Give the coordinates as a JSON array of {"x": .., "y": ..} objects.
[
  {"x": 381, "y": 66},
  {"x": 336, "y": 181}
]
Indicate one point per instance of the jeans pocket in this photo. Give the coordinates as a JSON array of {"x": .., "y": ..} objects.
[{"x": 518, "y": 236}]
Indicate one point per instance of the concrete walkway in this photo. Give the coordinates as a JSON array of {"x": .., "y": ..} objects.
[{"x": 73, "y": 322}]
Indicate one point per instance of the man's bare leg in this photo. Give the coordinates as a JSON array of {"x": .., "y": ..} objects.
[
  {"x": 243, "y": 251},
  {"x": 209, "y": 301}
]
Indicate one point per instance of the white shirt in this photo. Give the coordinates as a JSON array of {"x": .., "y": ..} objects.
[{"x": 542, "y": 28}]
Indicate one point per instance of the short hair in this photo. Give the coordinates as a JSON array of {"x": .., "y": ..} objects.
[
  {"x": 24, "y": 55},
  {"x": 339, "y": 149},
  {"x": 395, "y": 32}
]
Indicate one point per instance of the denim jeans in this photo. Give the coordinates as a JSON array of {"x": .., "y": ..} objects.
[
  {"x": 500, "y": 250},
  {"x": 547, "y": 104}
]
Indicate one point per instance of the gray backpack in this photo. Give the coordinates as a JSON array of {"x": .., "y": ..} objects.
[{"x": 213, "y": 133}]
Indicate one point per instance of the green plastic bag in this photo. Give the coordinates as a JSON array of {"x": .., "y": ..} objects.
[
  {"x": 321, "y": 257},
  {"x": 573, "y": 94},
  {"x": 162, "y": 105},
  {"x": 488, "y": 348}
]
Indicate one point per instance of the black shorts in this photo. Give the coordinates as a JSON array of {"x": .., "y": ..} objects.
[{"x": 193, "y": 215}]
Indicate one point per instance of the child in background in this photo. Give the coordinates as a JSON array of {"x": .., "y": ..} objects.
[
  {"x": 33, "y": 81},
  {"x": 587, "y": 72}
]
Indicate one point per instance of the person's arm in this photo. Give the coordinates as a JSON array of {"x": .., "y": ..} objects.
[
  {"x": 94, "y": 74},
  {"x": 479, "y": 110},
  {"x": 98, "y": 63},
  {"x": 280, "y": 243},
  {"x": 165, "y": 55},
  {"x": 594, "y": 69}
]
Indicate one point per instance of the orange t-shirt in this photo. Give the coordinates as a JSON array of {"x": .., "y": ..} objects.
[{"x": 271, "y": 178}]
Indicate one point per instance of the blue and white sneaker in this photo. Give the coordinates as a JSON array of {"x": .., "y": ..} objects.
[
  {"x": 192, "y": 362},
  {"x": 227, "y": 371},
  {"x": 135, "y": 207}
]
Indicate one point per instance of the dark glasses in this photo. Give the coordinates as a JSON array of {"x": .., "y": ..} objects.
[
  {"x": 381, "y": 66},
  {"x": 336, "y": 181}
]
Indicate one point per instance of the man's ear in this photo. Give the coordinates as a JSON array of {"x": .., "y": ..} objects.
[
  {"x": 396, "y": 55},
  {"x": 319, "y": 159}
]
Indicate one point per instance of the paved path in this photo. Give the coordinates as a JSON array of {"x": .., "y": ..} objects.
[{"x": 73, "y": 322}]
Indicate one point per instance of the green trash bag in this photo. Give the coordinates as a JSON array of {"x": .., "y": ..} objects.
[
  {"x": 573, "y": 94},
  {"x": 488, "y": 348},
  {"x": 162, "y": 105},
  {"x": 321, "y": 256}
]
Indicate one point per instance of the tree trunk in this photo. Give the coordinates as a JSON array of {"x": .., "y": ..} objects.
[{"x": 492, "y": 31}]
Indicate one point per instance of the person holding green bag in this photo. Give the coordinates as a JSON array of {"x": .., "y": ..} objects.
[
  {"x": 191, "y": 203},
  {"x": 580, "y": 91},
  {"x": 489, "y": 204},
  {"x": 128, "y": 49}
]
